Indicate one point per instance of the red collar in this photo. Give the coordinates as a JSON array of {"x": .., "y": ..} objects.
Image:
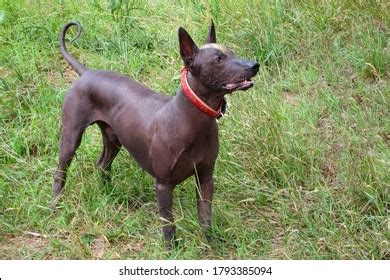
[{"x": 199, "y": 103}]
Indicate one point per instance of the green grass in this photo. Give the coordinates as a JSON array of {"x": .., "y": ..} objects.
[{"x": 303, "y": 168}]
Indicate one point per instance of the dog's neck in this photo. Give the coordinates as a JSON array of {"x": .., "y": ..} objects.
[{"x": 210, "y": 98}]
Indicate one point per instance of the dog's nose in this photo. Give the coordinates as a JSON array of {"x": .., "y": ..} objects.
[{"x": 255, "y": 66}]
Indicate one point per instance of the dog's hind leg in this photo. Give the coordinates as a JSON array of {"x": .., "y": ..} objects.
[
  {"x": 111, "y": 148},
  {"x": 74, "y": 122},
  {"x": 70, "y": 141}
]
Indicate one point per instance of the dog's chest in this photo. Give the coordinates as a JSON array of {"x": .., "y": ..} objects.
[
  {"x": 176, "y": 158},
  {"x": 186, "y": 161}
]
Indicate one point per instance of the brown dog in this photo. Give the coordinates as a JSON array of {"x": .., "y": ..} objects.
[{"x": 171, "y": 138}]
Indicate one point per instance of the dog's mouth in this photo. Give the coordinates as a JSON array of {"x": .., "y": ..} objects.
[{"x": 240, "y": 85}]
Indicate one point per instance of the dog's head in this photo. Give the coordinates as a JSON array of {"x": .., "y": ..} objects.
[{"x": 214, "y": 65}]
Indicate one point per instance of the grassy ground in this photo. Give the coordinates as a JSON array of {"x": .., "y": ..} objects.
[{"x": 303, "y": 169}]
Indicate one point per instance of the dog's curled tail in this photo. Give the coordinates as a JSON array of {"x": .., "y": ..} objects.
[{"x": 79, "y": 67}]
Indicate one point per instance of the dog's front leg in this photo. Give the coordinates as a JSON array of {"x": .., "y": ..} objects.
[
  {"x": 165, "y": 201},
  {"x": 204, "y": 195}
]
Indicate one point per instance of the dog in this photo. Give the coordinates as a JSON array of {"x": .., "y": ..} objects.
[{"x": 172, "y": 138}]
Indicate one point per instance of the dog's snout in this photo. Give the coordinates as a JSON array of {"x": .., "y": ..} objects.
[{"x": 255, "y": 66}]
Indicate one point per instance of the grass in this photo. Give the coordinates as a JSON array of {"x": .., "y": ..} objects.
[{"x": 303, "y": 168}]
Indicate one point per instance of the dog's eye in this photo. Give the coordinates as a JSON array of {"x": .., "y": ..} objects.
[{"x": 218, "y": 59}]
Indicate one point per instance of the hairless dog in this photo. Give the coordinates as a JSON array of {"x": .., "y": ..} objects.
[{"x": 172, "y": 138}]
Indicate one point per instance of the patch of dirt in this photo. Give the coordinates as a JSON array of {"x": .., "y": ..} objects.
[
  {"x": 10, "y": 247},
  {"x": 386, "y": 138},
  {"x": 99, "y": 246},
  {"x": 133, "y": 246},
  {"x": 324, "y": 125},
  {"x": 279, "y": 233},
  {"x": 381, "y": 25},
  {"x": 359, "y": 99},
  {"x": 278, "y": 251},
  {"x": 54, "y": 79},
  {"x": 290, "y": 98},
  {"x": 67, "y": 74},
  {"x": 4, "y": 72},
  {"x": 329, "y": 168}
]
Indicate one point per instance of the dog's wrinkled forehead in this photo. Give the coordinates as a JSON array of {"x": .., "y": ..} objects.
[{"x": 221, "y": 48}]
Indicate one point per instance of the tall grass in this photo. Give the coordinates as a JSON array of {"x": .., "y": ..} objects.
[{"x": 303, "y": 169}]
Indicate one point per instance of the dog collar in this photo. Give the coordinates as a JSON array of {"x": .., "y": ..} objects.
[{"x": 199, "y": 103}]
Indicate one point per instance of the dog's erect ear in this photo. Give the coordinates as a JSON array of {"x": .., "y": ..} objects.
[
  {"x": 211, "y": 38},
  {"x": 188, "y": 48}
]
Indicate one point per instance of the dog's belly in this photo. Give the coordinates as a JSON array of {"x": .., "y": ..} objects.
[
  {"x": 138, "y": 152},
  {"x": 163, "y": 163},
  {"x": 127, "y": 108},
  {"x": 135, "y": 139}
]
